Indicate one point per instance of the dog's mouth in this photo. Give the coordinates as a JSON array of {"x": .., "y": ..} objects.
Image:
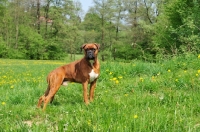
[{"x": 90, "y": 55}]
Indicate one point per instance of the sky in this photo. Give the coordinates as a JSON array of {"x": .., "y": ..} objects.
[{"x": 86, "y": 4}]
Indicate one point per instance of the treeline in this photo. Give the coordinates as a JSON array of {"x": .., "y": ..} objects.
[{"x": 126, "y": 29}]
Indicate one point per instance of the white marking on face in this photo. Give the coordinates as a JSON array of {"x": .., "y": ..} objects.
[
  {"x": 65, "y": 83},
  {"x": 93, "y": 75}
]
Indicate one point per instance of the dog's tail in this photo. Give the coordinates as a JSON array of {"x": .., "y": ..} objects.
[
  {"x": 52, "y": 84},
  {"x": 47, "y": 91},
  {"x": 48, "y": 87},
  {"x": 50, "y": 81}
]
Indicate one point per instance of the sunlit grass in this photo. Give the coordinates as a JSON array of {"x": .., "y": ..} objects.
[{"x": 136, "y": 96}]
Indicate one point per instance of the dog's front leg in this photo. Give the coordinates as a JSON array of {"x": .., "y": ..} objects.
[
  {"x": 85, "y": 96},
  {"x": 92, "y": 88}
]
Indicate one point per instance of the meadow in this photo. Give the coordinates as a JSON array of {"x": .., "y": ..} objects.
[{"x": 136, "y": 96}]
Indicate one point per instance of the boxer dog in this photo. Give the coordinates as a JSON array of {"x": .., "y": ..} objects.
[{"x": 84, "y": 71}]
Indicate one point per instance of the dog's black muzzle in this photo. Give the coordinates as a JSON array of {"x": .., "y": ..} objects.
[{"x": 90, "y": 54}]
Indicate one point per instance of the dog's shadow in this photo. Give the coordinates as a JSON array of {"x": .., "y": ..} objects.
[
  {"x": 59, "y": 103},
  {"x": 56, "y": 103},
  {"x": 63, "y": 100}
]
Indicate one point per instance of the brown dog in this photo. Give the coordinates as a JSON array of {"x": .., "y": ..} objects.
[{"x": 85, "y": 71}]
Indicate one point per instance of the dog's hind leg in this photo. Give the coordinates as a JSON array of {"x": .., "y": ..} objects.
[
  {"x": 54, "y": 85},
  {"x": 52, "y": 99},
  {"x": 46, "y": 93},
  {"x": 50, "y": 96},
  {"x": 41, "y": 99}
]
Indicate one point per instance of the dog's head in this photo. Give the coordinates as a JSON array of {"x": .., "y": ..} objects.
[{"x": 91, "y": 50}]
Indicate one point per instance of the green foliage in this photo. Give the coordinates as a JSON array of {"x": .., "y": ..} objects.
[
  {"x": 30, "y": 43},
  {"x": 177, "y": 30},
  {"x": 26, "y": 36},
  {"x": 127, "y": 52},
  {"x": 2, "y": 7},
  {"x": 54, "y": 52},
  {"x": 126, "y": 29},
  {"x": 92, "y": 22},
  {"x": 3, "y": 50}
]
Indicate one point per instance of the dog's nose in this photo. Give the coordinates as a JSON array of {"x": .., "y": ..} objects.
[{"x": 90, "y": 54}]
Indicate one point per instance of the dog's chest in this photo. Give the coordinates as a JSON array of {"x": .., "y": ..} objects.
[{"x": 93, "y": 75}]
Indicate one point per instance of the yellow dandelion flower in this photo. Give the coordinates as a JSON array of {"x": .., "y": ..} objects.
[
  {"x": 120, "y": 77},
  {"x": 153, "y": 78},
  {"x": 198, "y": 71},
  {"x": 199, "y": 56},
  {"x": 3, "y": 103},
  {"x": 110, "y": 73},
  {"x": 89, "y": 122},
  {"x": 94, "y": 127},
  {"x": 141, "y": 79},
  {"x": 116, "y": 81},
  {"x": 12, "y": 86},
  {"x": 197, "y": 75},
  {"x": 176, "y": 80},
  {"x": 135, "y": 116},
  {"x": 169, "y": 70}
]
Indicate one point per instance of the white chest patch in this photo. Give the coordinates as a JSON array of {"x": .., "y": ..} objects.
[{"x": 93, "y": 75}]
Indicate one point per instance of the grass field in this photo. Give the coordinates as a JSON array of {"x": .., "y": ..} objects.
[{"x": 130, "y": 97}]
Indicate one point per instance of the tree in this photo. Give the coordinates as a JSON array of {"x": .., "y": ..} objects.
[
  {"x": 119, "y": 13},
  {"x": 38, "y": 16},
  {"x": 50, "y": 29},
  {"x": 177, "y": 30},
  {"x": 104, "y": 10}
]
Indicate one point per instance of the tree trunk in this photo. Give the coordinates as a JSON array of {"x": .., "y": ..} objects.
[
  {"x": 117, "y": 25},
  {"x": 147, "y": 11},
  {"x": 135, "y": 17},
  {"x": 46, "y": 16},
  {"x": 16, "y": 25},
  {"x": 38, "y": 16},
  {"x": 102, "y": 36}
]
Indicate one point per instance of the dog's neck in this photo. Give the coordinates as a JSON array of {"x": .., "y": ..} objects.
[{"x": 92, "y": 62}]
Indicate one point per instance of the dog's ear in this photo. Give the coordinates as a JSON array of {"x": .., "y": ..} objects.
[
  {"x": 98, "y": 46},
  {"x": 82, "y": 47}
]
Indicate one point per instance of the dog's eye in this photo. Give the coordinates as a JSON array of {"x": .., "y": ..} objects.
[{"x": 91, "y": 49}]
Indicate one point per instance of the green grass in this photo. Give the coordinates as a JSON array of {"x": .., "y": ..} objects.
[{"x": 137, "y": 96}]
